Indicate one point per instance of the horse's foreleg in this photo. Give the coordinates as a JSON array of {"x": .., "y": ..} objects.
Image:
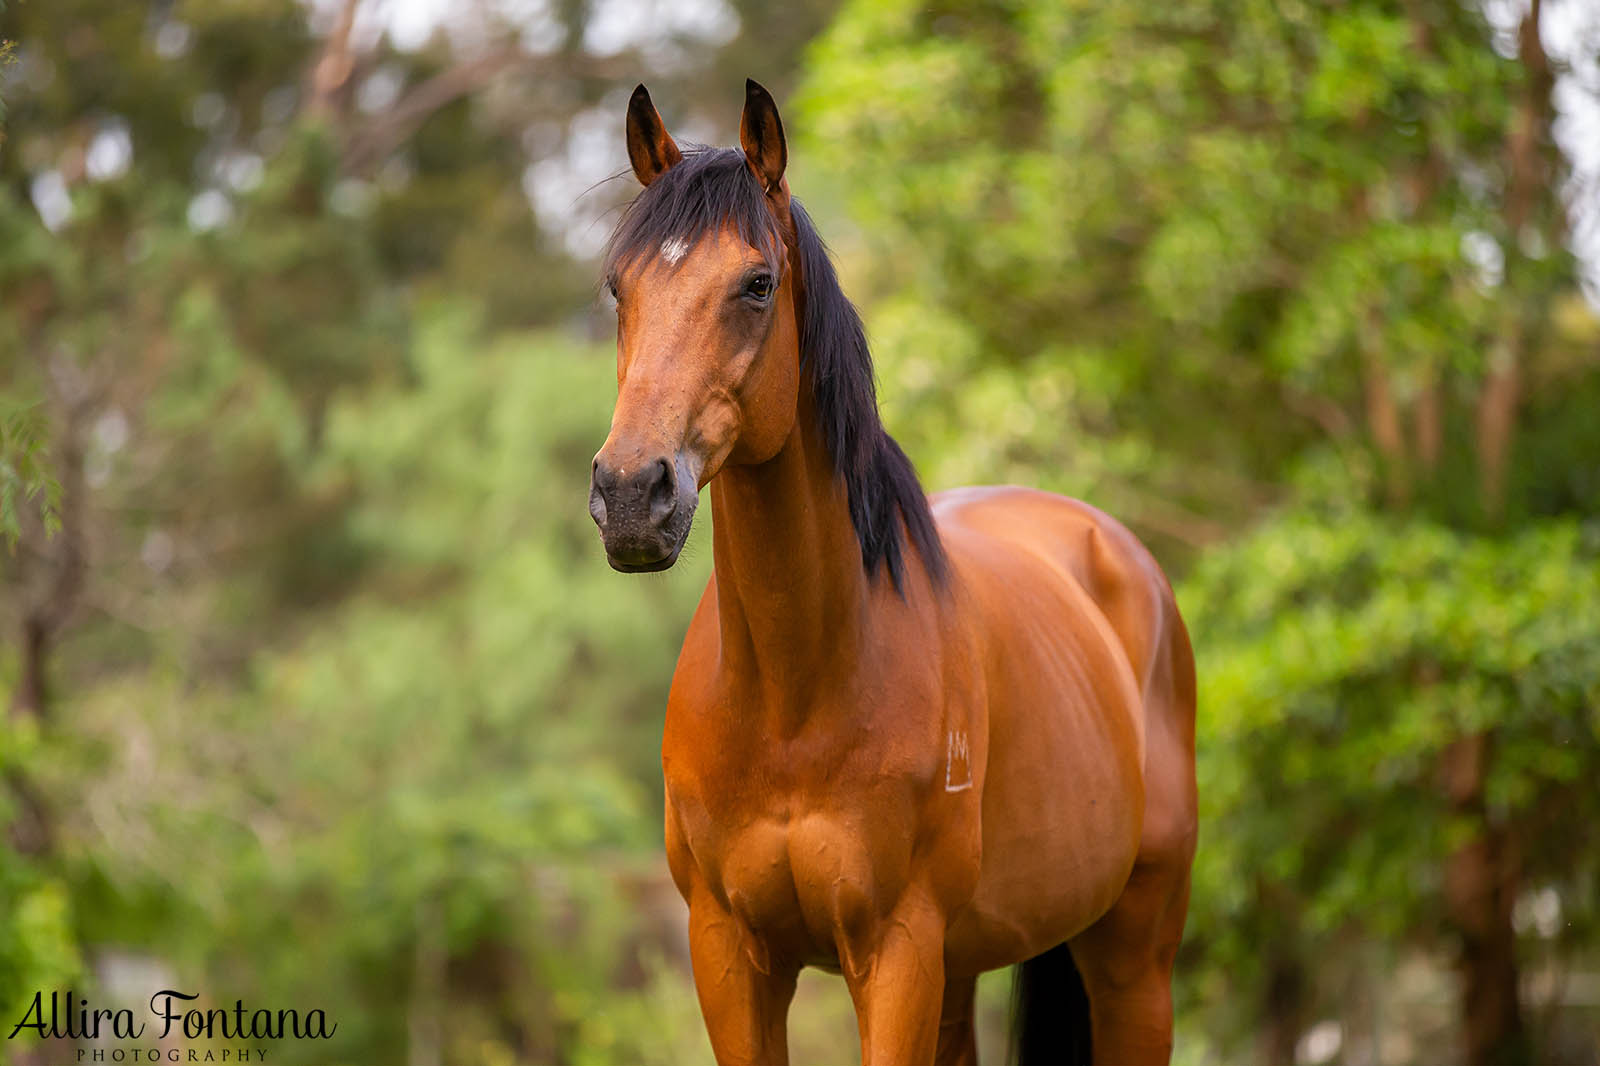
[
  {"x": 958, "y": 1031},
  {"x": 897, "y": 984},
  {"x": 744, "y": 996}
]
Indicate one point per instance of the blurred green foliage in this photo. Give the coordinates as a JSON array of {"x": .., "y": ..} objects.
[
  {"x": 26, "y": 485},
  {"x": 1345, "y": 654},
  {"x": 1100, "y": 222}
]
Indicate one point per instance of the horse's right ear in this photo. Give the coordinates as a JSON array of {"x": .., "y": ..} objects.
[{"x": 651, "y": 148}]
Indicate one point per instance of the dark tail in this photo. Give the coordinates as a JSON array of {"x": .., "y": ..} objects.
[{"x": 1050, "y": 1012}]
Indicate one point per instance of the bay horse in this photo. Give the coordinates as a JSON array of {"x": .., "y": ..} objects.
[{"x": 908, "y": 739}]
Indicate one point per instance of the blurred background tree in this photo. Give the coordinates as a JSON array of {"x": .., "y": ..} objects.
[{"x": 320, "y": 693}]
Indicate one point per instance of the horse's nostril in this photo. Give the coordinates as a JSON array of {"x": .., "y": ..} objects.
[
  {"x": 602, "y": 490},
  {"x": 663, "y": 492}
]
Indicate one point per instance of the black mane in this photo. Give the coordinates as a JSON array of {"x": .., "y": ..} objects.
[{"x": 712, "y": 188}]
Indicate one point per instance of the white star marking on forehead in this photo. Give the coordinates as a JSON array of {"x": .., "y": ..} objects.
[{"x": 674, "y": 249}]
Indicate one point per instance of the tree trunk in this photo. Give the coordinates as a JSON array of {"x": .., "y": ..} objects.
[
  {"x": 1530, "y": 185},
  {"x": 1383, "y": 420},
  {"x": 330, "y": 75},
  {"x": 52, "y": 596},
  {"x": 425, "y": 1008},
  {"x": 1481, "y": 881},
  {"x": 28, "y": 697},
  {"x": 1283, "y": 1012},
  {"x": 1430, "y": 432},
  {"x": 30, "y": 829},
  {"x": 1497, "y": 416}
]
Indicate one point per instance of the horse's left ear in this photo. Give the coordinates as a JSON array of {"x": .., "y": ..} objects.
[{"x": 761, "y": 137}]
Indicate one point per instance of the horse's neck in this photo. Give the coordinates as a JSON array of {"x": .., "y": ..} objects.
[{"x": 791, "y": 593}]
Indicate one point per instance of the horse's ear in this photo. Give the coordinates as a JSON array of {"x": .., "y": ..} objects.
[
  {"x": 651, "y": 148},
  {"x": 761, "y": 136}
]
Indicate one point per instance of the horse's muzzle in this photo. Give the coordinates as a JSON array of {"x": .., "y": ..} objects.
[{"x": 643, "y": 509}]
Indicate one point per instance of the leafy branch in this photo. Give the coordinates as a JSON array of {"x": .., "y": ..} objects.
[{"x": 26, "y": 484}]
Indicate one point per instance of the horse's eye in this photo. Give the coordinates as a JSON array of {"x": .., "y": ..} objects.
[
  {"x": 611, "y": 287},
  {"x": 759, "y": 287}
]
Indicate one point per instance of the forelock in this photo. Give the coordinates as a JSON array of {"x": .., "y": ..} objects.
[{"x": 710, "y": 190}]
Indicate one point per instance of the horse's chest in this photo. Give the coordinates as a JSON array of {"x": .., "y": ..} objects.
[
  {"x": 805, "y": 836},
  {"x": 756, "y": 875},
  {"x": 800, "y": 879}
]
